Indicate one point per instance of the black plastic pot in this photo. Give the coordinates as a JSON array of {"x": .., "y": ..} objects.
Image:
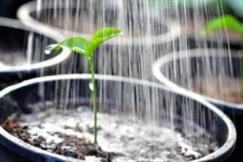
[
  {"x": 184, "y": 68},
  {"x": 119, "y": 96},
  {"x": 8, "y": 8},
  {"x": 127, "y": 55},
  {"x": 7, "y": 156},
  {"x": 16, "y": 42}
]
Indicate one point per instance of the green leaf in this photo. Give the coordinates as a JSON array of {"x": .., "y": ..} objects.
[
  {"x": 52, "y": 48},
  {"x": 77, "y": 44},
  {"x": 106, "y": 33},
  {"x": 223, "y": 22},
  {"x": 100, "y": 37},
  {"x": 79, "y": 51},
  {"x": 93, "y": 46}
]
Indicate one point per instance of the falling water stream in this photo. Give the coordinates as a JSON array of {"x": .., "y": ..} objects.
[{"x": 151, "y": 29}]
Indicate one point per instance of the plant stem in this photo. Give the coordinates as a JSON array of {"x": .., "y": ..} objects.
[{"x": 93, "y": 91}]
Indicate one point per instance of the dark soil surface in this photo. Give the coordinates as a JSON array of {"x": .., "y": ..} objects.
[
  {"x": 121, "y": 139},
  {"x": 71, "y": 146}
]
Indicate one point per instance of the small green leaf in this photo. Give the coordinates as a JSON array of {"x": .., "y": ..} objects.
[
  {"x": 93, "y": 46},
  {"x": 106, "y": 33},
  {"x": 223, "y": 22},
  {"x": 100, "y": 37},
  {"x": 77, "y": 44},
  {"x": 78, "y": 51},
  {"x": 52, "y": 48}
]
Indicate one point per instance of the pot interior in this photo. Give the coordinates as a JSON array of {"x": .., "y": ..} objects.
[
  {"x": 210, "y": 72},
  {"x": 142, "y": 101}
]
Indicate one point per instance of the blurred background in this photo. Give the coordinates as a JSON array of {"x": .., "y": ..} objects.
[{"x": 8, "y": 8}]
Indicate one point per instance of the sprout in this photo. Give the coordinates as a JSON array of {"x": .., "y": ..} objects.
[
  {"x": 223, "y": 22},
  {"x": 227, "y": 22},
  {"x": 82, "y": 46}
]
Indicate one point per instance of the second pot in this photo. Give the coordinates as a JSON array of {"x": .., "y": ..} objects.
[{"x": 213, "y": 74}]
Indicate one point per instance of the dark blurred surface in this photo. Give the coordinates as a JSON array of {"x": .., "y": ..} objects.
[
  {"x": 8, "y": 156},
  {"x": 8, "y": 8}
]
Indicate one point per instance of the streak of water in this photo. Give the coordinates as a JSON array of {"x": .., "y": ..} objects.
[
  {"x": 38, "y": 7},
  {"x": 30, "y": 48}
]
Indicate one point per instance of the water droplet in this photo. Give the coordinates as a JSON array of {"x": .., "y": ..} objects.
[
  {"x": 91, "y": 86},
  {"x": 47, "y": 51},
  {"x": 50, "y": 48}
]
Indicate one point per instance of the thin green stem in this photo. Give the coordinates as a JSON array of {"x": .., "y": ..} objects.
[{"x": 94, "y": 102}]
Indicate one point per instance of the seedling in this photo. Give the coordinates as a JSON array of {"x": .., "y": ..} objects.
[
  {"x": 230, "y": 22},
  {"x": 82, "y": 46},
  {"x": 223, "y": 22}
]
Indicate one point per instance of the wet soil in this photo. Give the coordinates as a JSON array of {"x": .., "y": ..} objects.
[
  {"x": 119, "y": 139},
  {"x": 71, "y": 146}
]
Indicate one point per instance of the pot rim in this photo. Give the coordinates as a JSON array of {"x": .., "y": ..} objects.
[
  {"x": 15, "y": 24},
  {"x": 226, "y": 147},
  {"x": 192, "y": 53},
  {"x": 174, "y": 29}
]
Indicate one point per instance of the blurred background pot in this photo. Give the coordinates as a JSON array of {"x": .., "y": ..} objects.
[
  {"x": 213, "y": 74},
  {"x": 22, "y": 52},
  {"x": 8, "y": 8}
]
